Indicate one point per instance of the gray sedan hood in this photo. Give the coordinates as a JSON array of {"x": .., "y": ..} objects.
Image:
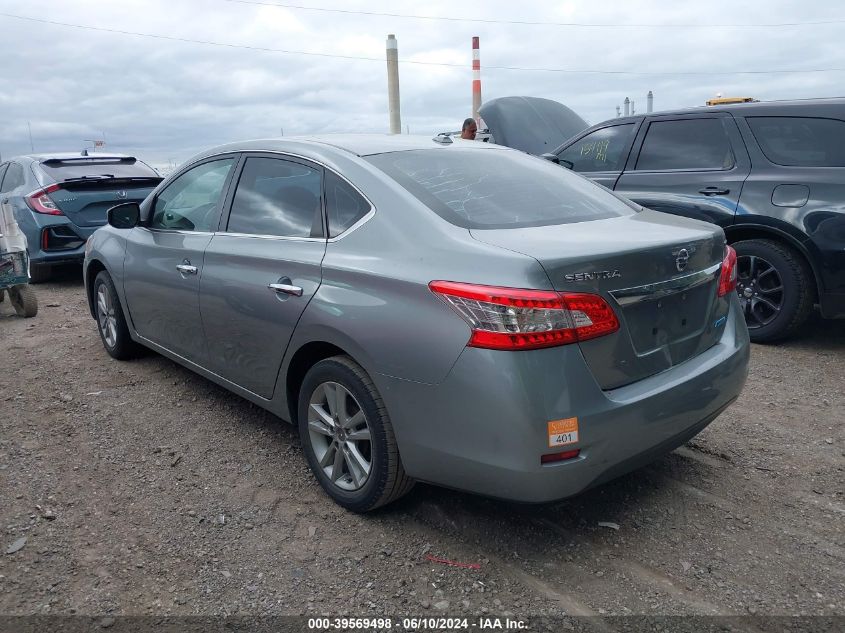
[{"x": 530, "y": 124}]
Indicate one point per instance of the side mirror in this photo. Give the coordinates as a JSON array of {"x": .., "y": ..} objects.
[
  {"x": 124, "y": 216},
  {"x": 551, "y": 158},
  {"x": 566, "y": 163}
]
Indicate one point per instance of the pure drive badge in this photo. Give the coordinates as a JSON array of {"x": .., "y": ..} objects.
[{"x": 597, "y": 274}]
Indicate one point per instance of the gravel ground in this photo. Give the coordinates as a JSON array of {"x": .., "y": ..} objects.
[{"x": 141, "y": 488}]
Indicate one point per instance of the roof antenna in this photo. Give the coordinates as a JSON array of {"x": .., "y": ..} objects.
[{"x": 443, "y": 138}]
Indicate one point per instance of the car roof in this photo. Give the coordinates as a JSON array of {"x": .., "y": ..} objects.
[
  {"x": 758, "y": 107},
  {"x": 357, "y": 144}
]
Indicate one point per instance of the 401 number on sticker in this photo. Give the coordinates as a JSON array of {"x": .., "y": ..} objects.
[{"x": 563, "y": 432}]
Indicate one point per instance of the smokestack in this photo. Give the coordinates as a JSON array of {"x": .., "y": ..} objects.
[
  {"x": 649, "y": 102},
  {"x": 393, "y": 85},
  {"x": 476, "y": 79},
  {"x": 627, "y": 106}
]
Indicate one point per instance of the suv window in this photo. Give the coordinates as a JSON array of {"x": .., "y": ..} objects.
[
  {"x": 344, "y": 205},
  {"x": 277, "y": 197},
  {"x": 800, "y": 141},
  {"x": 190, "y": 202},
  {"x": 686, "y": 144},
  {"x": 498, "y": 188},
  {"x": 13, "y": 179},
  {"x": 601, "y": 150}
]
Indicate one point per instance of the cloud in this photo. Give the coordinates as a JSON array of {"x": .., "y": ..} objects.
[{"x": 165, "y": 100}]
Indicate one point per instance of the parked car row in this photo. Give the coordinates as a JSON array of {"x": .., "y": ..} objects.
[
  {"x": 459, "y": 313},
  {"x": 771, "y": 174}
]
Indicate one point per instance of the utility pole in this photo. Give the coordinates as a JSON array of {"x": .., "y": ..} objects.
[
  {"x": 31, "y": 145},
  {"x": 393, "y": 85}
]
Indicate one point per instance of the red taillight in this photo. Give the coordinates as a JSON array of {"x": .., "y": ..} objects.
[
  {"x": 559, "y": 457},
  {"x": 40, "y": 202},
  {"x": 727, "y": 278},
  {"x": 517, "y": 319}
]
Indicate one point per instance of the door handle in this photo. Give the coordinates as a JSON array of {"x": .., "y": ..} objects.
[
  {"x": 187, "y": 269},
  {"x": 714, "y": 191},
  {"x": 288, "y": 289}
]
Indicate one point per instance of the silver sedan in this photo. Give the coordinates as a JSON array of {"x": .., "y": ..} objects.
[{"x": 450, "y": 312}]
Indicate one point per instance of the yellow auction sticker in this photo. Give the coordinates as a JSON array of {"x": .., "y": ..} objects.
[{"x": 563, "y": 432}]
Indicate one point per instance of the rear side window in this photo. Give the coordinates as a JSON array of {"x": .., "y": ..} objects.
[
  {"x": 344, "y": 205},
  {"x": 13, "y": 178},
  {"x": 602, "y": 150},
  {"x": 496, "y": 189},
  {"x": 277, "y": 197},
  {"x": 686, "y": 144},
  {"x": 61, "y": 170},
  {"x": 800, "y": 141}
]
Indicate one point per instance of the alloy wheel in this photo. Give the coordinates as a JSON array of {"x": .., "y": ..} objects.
[
  {"x": 106, "y": 317},
  {"x": 760, "y": 290},
  {"x": 340, "y": 436}
]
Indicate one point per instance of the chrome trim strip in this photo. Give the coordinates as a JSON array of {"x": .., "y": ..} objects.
[
  {"x": 270, "y": 237},
  {"x": 629, "y": 296}
]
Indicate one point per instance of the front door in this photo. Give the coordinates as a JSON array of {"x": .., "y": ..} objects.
[
  {"x": 164, "y": 259},
  {"x": 693, "y": 166},
  {"x": 262, "y": 268},
  {"x": 601, "y": 154}
]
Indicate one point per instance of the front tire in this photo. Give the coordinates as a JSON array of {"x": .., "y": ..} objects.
[
  {"x": 347, "y": 436},
  {"x": 776, "y": 289},
  {"x": 110, "y": 320}
]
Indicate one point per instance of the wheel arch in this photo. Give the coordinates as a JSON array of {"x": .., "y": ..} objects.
[
  {"x": 740, "y": 232},
  {"x": 302, "y": 360},
  {"x": 95, "y": 267}
]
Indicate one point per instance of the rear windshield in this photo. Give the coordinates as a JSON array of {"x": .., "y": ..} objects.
[
  {"x": 800, "y": 141},
  {"x": 498, "y": 189},
  {"x": 115, "y": 168}
]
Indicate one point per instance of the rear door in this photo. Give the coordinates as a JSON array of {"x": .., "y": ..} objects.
[
  {"x": 262, "y": 268},
  {"x": 164, "y": 259},
  {"x": 689, "y": 165},
  {"x": 601, "y": 154}
]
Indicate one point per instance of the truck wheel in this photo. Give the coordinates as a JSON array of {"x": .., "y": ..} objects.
[
  {"x": 347, "y": 436},
  {"x": 776, "y": 288},
  {"x": 24, "y": 301}
]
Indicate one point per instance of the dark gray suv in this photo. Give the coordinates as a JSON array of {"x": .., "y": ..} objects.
[{"x": 772, "y": 175}]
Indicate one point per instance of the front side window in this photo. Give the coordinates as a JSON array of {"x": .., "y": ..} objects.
[
  {"x": 686, "y": 144},
  {"x": 344, "y": 205},
  {"x": 498, "y": 189},
  {"x": 800, "y": 141},
  {"x": 277, "y": 197},
  {"x": 602, "y": 150},
  {"x": 190, "y": 203}
]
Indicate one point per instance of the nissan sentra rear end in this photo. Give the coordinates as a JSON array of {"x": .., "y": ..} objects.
[{"x": 633, "y": 346}]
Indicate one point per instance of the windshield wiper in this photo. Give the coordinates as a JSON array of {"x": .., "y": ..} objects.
[{"x": 100, "y": 177}]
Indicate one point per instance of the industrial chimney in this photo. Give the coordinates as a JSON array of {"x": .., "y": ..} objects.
[
  {"x": 476, "y": 79},
  {"x": 627, "y": 106},
  {"x": 393, "y": 85},
  {"x": 649, "y": 102}
]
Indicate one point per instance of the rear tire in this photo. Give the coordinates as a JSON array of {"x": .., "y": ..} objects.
[
  {"x": 111, "y": 323},
  {"x": 334, "y": 394},
  {"x": 39, "y": 273},
  {"x": 776, "y": 289},
  {"x": 24, "y": 301}
]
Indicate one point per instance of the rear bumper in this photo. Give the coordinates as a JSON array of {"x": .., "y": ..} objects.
[
  {"x": 484, "y": 428},
  {"x": 61, "y": 233}
]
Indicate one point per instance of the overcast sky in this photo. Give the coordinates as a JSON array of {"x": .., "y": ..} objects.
[{"x": 165, "y": 100}]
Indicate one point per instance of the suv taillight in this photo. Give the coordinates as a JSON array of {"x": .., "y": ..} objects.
[
  {"x": 40, "y": 202},
  {"x": 517, "y": 319},
  {"x": 728, "y": 276}
]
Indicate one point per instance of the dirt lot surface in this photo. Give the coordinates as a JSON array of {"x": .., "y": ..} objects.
[{"x": 141, "y": 488}]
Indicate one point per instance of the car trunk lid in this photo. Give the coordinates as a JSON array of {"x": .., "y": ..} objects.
[
  {"x": 85, "y": 202},
  {"x": 660, "y": 273}
]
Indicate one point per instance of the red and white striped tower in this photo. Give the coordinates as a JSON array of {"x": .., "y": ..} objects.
[{"x": 476, "y": 79}]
